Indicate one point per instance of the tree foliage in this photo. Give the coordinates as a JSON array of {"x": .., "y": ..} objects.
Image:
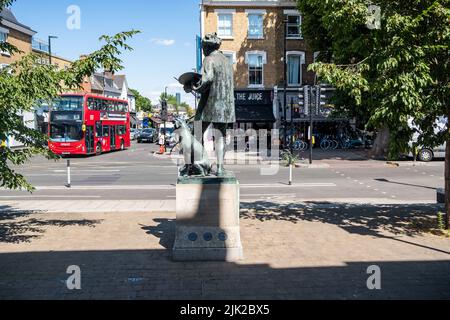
[
  {"x": 25, "y": 82},
  {"x": 172, "y": 101},
  {"x": 393, "y": 74},
  {"x": 143, "y": 104}
]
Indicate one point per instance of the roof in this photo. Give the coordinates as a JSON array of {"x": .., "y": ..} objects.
[
  {"x": 249, "y": 3},
  {"x": 120, "y": 80},
  {"x": 103, "y": 83},
  {"x": 9, "y": 19}
]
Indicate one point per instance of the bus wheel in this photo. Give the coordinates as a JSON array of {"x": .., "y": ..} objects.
[
  {"x": 98, "y": 149},
  {"x": 122, "y": 146}
]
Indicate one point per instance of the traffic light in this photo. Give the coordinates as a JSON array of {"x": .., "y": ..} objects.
[
  {"x": 306, "y": 99},
  {"x": 164, "y": 110},
  {"x": 319, "y": 99}
]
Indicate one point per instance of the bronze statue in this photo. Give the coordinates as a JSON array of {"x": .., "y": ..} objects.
[{"x": 216, "y": 86}]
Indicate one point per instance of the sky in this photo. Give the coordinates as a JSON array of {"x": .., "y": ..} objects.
[{"x": 165, "y": 49}]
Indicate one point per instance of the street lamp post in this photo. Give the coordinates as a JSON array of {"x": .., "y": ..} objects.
[
  {"x": 285, "y": 24},
  {"x": 165, "y": 116},
  {"x": 50, "y": 48}
]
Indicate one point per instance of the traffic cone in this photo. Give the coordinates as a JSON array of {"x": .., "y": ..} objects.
[{"x": 161, "y": 149}]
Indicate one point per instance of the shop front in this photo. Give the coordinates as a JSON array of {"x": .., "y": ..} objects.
[{"x": 254, "y": 109}]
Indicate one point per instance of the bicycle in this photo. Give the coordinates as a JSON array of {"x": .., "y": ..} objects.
[{"x": 300, "y": 145}]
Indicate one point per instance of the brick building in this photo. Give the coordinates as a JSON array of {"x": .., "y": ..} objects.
[
  {"x": 23, "y": 37},
  {"x": 255, "y": 33}
]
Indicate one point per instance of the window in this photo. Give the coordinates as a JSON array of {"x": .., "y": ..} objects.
[
  {"x": 105, "y": 131},
  {"x": 68, "y": 103},
  {"x": 123, "y": 107},
  {"x": 3, "y": 36},
  {"x": 294, "y": 26},
  {"x": 256, "y": 26},
  {"x": 98, "y": 129},
  {"x": 255, "y": 69},
  {"x": 122, "y": 130},
  {"x": 91, "y": 104},
  {"x": 231, "y": 56},
  {"x": 225, "y": 25},
  {"x": 102, "y": 105},
  {"x": 65, "y": 132},
  {"x": 295, "y": 61}
]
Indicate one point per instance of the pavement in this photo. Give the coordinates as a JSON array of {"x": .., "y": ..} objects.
[
  {"x": 316, "y": 239},
  {"x": 296, "y": 251}
]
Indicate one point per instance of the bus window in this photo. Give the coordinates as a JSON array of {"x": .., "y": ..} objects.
[
  {"x": 91, "y": 104},
  {"x": 122, "y": 130},
  {"x": 116, "y": 106},
  {"x": 106, "y": 131},
  {"x": 98, "y": 105},
  {"x": 98, "y": 129}
]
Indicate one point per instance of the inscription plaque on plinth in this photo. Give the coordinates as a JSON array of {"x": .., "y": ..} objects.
[{"x": 207, "y": 225}]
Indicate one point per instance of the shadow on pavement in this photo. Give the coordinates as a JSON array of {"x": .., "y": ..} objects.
[
  {"x": 149, "y": 274},
  {"x": 381, "y": 221},
  {"x": 404, "y": 184},
  {"x": 25, "y": 226}
]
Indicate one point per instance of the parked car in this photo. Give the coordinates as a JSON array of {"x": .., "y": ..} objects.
[
  {"x": 133, "y": 134},
  {"x": 147, "y": 135},
  {"x": 428, "y": 154}
]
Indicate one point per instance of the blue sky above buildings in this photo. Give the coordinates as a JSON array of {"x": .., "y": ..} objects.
[{"x": 164, "y": 49}]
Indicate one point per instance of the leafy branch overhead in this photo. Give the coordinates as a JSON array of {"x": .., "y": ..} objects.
[
  {"x": 26, "y": 83},
  {"x": 393, "y": 75}
]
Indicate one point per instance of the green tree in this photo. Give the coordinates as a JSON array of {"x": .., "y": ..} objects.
[
  {"x": 25, "y": 82},
  {"x": 172, "y": 101},
  {"x": 394, "y": 74},
  {"x": 143, "y": 104}
]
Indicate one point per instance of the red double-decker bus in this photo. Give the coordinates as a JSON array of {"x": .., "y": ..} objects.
[{"x": 86, "y": 124}]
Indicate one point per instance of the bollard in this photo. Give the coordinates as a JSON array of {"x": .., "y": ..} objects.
[
  {"x": 290, "y": 174},
  {"x": 68, "y": 185}
]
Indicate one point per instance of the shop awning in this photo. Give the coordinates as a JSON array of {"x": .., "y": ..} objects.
[{"x": 255, "y": 113}]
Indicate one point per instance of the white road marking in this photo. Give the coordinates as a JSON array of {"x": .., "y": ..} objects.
[
  {"x": 172, "y": 187},
  {"x": 51, "y": 197},
  {"x": 74, "y": 170},
  {"x": 298, "y": 185}
]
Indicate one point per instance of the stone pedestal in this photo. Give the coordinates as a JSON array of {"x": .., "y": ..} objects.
[{"x": 207, "y": 226}]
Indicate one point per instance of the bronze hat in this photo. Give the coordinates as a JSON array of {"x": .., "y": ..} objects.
[{"x": 211, "y": 39}]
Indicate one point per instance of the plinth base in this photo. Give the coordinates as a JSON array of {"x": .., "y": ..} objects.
[{"x": 207, "y": 226}]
